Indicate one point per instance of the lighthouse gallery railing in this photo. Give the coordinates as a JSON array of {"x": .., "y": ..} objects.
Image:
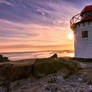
[{"x": 75, "y": 19}]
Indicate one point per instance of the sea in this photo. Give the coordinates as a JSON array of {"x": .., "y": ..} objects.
[{"x": 37, "y": 54}]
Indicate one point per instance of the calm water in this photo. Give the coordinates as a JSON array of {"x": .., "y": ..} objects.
[{"x": 43, "y": 54}]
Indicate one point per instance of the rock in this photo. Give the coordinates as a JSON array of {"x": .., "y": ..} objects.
[
  {"x": 54, "y": 56},
  {"x": 42, "y": 85},
  {"x": 52, "y": 79},
  {"x": 52, "y": 88},
  {"x": 60, "y": 78},
  {"x": 79, "y": 79},
  {"x": 90, "y": 88},
  {"x": 2, "y": 89}
]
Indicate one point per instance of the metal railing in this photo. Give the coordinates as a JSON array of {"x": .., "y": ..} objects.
[{"x": 75, "y": 19}]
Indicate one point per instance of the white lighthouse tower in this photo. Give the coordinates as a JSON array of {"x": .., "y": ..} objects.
[{"x": 81, "y": 24}]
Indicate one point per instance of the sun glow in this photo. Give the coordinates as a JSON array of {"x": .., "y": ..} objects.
[
  {"x": 70, "y": 36},
  {"x": 71, "y": 54}
]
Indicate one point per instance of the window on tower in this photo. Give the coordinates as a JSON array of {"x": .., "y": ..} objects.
[
  {"x": 84, "y": 34},
  {"x": 89, "y": 13}
]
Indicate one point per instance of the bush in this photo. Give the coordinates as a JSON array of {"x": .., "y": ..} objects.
[
  {"x": 14, "y": 72},
  {"x": 3, "y": 59},
  {"x": 43, "y": 67}
]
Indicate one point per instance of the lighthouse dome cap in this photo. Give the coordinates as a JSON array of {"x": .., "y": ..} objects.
[{"x": 86, "y": 9}]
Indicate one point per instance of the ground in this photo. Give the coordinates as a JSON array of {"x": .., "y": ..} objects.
[{"x": 78, "y": 82}]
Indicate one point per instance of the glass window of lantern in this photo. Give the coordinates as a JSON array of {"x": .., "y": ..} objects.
[{"x": 87, "y": 14}]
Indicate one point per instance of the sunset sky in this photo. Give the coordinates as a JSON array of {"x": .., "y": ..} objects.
[{"x": 37, "y": 25}]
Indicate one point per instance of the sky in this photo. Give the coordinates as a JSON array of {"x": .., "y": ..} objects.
[{"x": 37, "y": 25}]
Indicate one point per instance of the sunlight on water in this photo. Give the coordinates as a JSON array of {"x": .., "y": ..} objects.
[{"x": 71, "y": 54}]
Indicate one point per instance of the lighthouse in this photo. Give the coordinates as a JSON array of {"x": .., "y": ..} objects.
[{"x": 81, "y": 24}]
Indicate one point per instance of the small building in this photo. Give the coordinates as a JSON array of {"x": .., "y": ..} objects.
[{"x": 81, "y": 24}]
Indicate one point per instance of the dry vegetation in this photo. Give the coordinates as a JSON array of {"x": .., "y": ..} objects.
[
  {"x": 41, "y": 67},
  {"x": 3, "y": 59}
]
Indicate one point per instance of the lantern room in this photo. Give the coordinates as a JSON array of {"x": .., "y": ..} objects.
[{"x": 84, "y": 15}]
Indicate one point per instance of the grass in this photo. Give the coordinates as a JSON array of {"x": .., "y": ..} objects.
[
  {"x": 44, "y": 67},
  {"x": 41, "y": 68},
  {"x": 13, "y": 72}
]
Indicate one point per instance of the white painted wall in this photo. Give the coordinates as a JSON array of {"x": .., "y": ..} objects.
[{"x": 83, "y": 46}]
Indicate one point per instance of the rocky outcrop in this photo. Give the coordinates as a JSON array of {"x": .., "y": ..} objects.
[
  {"x": 71, "y": 84},
  {"x": 54, "y": 56}
]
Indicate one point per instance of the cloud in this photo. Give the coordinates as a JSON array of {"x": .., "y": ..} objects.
[
  {"x": 15, "y": 30},
  {"x": 23, "y": 47},
  {"x": 41, "y": 12},
  {"x": 5, "y": 2},
  {"x": 37, "y": 22}
]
